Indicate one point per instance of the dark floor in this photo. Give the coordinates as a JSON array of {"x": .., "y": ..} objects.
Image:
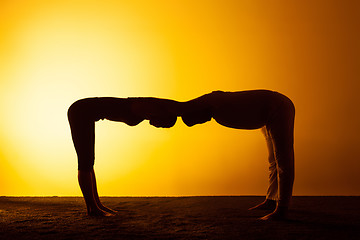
[{"x": 177, "y": 218}]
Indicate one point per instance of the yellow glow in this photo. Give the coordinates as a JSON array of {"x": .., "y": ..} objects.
[{"x": 55, "y": 52}]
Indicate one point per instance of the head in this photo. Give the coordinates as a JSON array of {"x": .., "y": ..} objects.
[
  {"x": 163, "y": 121},
  {"x": 196, "y": 116}
]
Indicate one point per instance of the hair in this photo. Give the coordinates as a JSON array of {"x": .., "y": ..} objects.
[
  {"x": 166, "y": 121},
  {"x": 196, "y": 113}
]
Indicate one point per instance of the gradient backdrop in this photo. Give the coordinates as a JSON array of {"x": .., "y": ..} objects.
[{"x": 55, "y": 52}]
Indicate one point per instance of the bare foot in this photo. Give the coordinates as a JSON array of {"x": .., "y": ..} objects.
[
  {"x": 266, "y": 205},
  {"x": 100, "y": 213},
  {"x": 108, "y": 210},
  {"x": 280, "y": 213}
]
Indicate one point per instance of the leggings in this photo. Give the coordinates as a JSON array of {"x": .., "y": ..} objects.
[{"x": 279, "y": 134}]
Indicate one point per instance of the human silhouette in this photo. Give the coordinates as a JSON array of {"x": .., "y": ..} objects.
[
  {"x": 82, "y": 116},
  {"x": 271, "y": 111}
]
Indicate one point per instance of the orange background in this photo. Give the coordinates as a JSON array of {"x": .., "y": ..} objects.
[{"x": 55, "y": 52}]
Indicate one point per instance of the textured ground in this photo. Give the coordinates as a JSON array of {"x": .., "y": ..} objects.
[{"x": 177, "y": 218}]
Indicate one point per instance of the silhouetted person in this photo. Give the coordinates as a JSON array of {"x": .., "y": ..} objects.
[
  {"x": 82, "y": 116},
  {"x": 271, "y": 111}
]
